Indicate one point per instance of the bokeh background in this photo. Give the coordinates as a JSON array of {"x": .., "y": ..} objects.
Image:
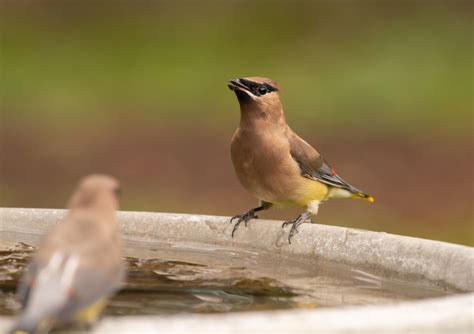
[{"x": 138, "y": 89}]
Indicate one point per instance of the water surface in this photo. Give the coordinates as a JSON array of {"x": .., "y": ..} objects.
[{"x": 169, "y": 278}]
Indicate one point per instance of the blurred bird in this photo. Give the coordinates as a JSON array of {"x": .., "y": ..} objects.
[
  {"x": 78, "y": 265},
  {"x": 273, "y": 163}
]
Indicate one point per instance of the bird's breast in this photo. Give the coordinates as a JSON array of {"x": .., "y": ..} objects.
[{"x": 264, "y": 166}]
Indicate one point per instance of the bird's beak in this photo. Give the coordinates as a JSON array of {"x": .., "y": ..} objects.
[
  {"x": 242, "y": 89},
  {"x": 238, "y": 84}
]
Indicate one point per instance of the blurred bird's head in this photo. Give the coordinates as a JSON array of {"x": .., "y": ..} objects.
[
  {"x": 96, "y": 190},
  {"x": 256, "y": 92}
]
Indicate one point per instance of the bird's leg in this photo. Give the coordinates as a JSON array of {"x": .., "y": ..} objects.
[
  {"x": 244, "y": 217},
  {"x": 312, "y": 209},
  {"x": 296, "y": 223},
  {"x": 250, "y": 214}
]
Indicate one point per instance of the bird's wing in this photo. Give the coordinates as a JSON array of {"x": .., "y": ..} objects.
[
  {"x": 314, "y": 166},
  {"x": 64, "y": 285},
  {"x": 26, "y": 283},
  {"x": 91, "y": 285},
  {"x": 67, "y": 274}
]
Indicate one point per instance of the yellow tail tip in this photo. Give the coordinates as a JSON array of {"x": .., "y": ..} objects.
[{"x": 368, "y": 198}]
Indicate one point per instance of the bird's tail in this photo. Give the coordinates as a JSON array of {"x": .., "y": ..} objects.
[
  {"x": 16, "y": 331},
  {"x": 23, "y": 329},
  {"x": 25, "y": 324},
  {"x": 362, "y": 195}
]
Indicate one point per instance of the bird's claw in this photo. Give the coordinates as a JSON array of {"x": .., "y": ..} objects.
[
  {"x": 245, "y": 217},
  {"x": 289, "y": 222},
  {"x": 295, "y": 224}
]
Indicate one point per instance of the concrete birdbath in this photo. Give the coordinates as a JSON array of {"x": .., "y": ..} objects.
[{"x": 188, "y": 275}]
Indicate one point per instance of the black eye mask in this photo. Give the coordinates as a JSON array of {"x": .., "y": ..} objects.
[{"x": 258, "y": 89}]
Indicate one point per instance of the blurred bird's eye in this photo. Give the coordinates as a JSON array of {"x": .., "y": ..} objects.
[
  {"x": 262, "y": 90},
  {"x": 118, "y": 191}
]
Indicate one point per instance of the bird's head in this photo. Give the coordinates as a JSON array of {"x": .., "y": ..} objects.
[
  {"x": 96, "y": 190},
  {"x": 256, "y": 91}
]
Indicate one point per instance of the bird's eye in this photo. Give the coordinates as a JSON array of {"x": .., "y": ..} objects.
[{"x": 262, "y": 90}]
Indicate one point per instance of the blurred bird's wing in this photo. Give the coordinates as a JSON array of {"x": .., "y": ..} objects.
[
  {"x": 90, "y": 286},
  {"x": 45, "y": 289},
  {"x": 26, "y": 283},
  {"x": 64, "y": 286},
  {"x": 67, "y": 274},
  {"x": 314, "y": 166}
]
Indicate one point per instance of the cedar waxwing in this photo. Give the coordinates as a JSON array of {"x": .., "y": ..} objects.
[
  {"x": 273, "y": 163},
  {"x": 78, "y": 265}
]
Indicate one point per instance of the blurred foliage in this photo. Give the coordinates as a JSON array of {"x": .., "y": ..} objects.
[
  {"x": 138, "y": 89},
  {"x": 379, "y": 67}
]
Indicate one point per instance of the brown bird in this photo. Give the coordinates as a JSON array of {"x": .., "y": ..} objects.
[
  {"x": 78, "y": 265},
  {"x": 273, "y": 163}
]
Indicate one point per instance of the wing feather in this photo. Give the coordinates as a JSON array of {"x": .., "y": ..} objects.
[{"x": 314, "y": 166}]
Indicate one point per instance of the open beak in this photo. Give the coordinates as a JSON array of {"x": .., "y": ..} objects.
[{"x": 236, "y": 84}]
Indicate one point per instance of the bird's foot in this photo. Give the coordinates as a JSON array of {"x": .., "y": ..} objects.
[
  {"x": 244, "y": 217},
  {"x": 295, "y": 224}
]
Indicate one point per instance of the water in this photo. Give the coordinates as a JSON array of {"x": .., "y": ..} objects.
[{"x": 196, "y": 278}]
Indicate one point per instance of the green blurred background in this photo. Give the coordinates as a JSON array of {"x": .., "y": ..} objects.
[{"x": 138, "y": 89}]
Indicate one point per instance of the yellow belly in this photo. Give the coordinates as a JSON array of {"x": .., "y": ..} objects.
[{"x": 305, "y": 191}]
